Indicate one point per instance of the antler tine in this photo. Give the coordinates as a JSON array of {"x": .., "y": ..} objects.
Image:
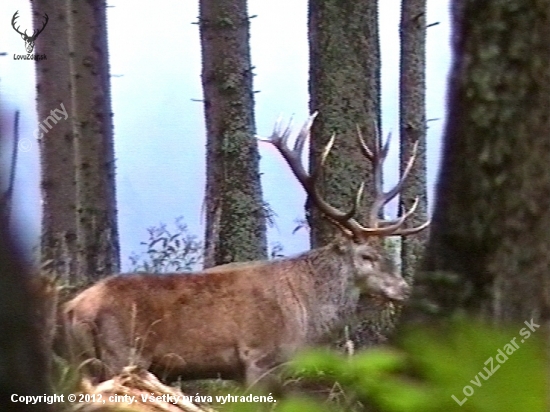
[
  {"x": 412, "y": 230},
  {"x": 14, "y": 21},
  {"x": 326, "y": 151},
  {"x": 397, "y": 188},
  {"x": 349, "y": 214},
  {"x": 378, "y": 166},
  {"x": 365, "y": 149},
  {"x": 385, "y": 147},
  {"x": 38, "y": 31},
  {"x": 303, "y": 135},
  {"x": 401, "y": 220},
  {"x": 283, "y": 137},
  {"x": 293, "y": 158},
  {"x": 357, "y": 201},
  {"x": 324, "y": 155},
  {"x": 376, "y": 157},
  {"x": 379, "y": 201},
  {"x": 392, "y": 229}
]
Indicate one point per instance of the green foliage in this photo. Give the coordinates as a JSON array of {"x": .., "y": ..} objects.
[
  {"x": 433, "y": 365},
  {"x": 66, "y": 378},
  {"x": 169, "y": 250}
]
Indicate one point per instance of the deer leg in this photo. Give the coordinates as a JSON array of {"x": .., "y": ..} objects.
[
  {"x": 258, "y": 364},
  {"x": 115, "y": 352}
]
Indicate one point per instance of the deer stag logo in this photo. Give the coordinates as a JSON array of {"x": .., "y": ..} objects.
[{"x": 29, "y": 40}]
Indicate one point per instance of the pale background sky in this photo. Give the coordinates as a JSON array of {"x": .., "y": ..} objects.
[{"x": 159, "y": 131}]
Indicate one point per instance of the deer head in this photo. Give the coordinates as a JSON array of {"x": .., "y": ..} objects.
[
  {"x": 364, "y": 257},
  {"x": 29, "y": 40}
]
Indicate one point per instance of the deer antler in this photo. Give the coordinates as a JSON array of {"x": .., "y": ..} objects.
[
  {"x": 35, "y": 35},
  {"x": 345, "y": 220},
  {"x": 13, "y": 20},
  {"x": 24, "y": 34},
  {"x": 377, "y": 158}
]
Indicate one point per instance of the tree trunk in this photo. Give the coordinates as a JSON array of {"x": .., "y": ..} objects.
[
  {"x": 23, "y": 355},
  {"x": 55, "y": 133},
  {"x": 345, "y": 88},
  {"x": 235, "y": 214},
  {"x": 491, "y": 226},
  {"x": 6, "y": 197},
  {"x": 412, "y": 127},
  {"x": 97, "y": 233}
]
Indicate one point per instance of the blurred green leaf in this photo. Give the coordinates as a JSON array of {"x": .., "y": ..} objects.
[{"x": 503, "y": 370}]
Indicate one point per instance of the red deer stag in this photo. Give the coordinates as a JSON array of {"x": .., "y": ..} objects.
[{"x": 237, "y": 321}]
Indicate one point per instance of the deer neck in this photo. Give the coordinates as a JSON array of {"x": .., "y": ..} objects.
[{"x": 335, "y": 298}]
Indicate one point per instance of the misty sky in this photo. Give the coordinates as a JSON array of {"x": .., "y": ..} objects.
[{"x": 159, "y": 128}]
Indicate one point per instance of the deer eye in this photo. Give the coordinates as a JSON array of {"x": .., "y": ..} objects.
[{"x": 366, "y": 257}]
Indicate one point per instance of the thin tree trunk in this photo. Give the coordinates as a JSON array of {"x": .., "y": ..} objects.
[
  {"x": 235, "y": 213},
  {"x": 412, "y": 126},
  {"x": 344, "y": 87},
  {"x": 97, "y": 233},
  {"x": 53, "y": 102}
]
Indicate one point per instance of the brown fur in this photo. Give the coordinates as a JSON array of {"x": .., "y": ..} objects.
[{"x": 236, "y": 321}]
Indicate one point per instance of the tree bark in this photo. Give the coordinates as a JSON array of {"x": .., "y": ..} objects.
[
  {"x": 344, "y": 86},
  {"x": 491, "y": 225},
  {"x": 97, "y": 232},
  {"x": 23, "y": 354},
  {"x": 412, "y": 127},
  {"x": 235, "y": 213},
  {"x": 55, "y": 133},
  {"x": 6, "y": 197}
]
